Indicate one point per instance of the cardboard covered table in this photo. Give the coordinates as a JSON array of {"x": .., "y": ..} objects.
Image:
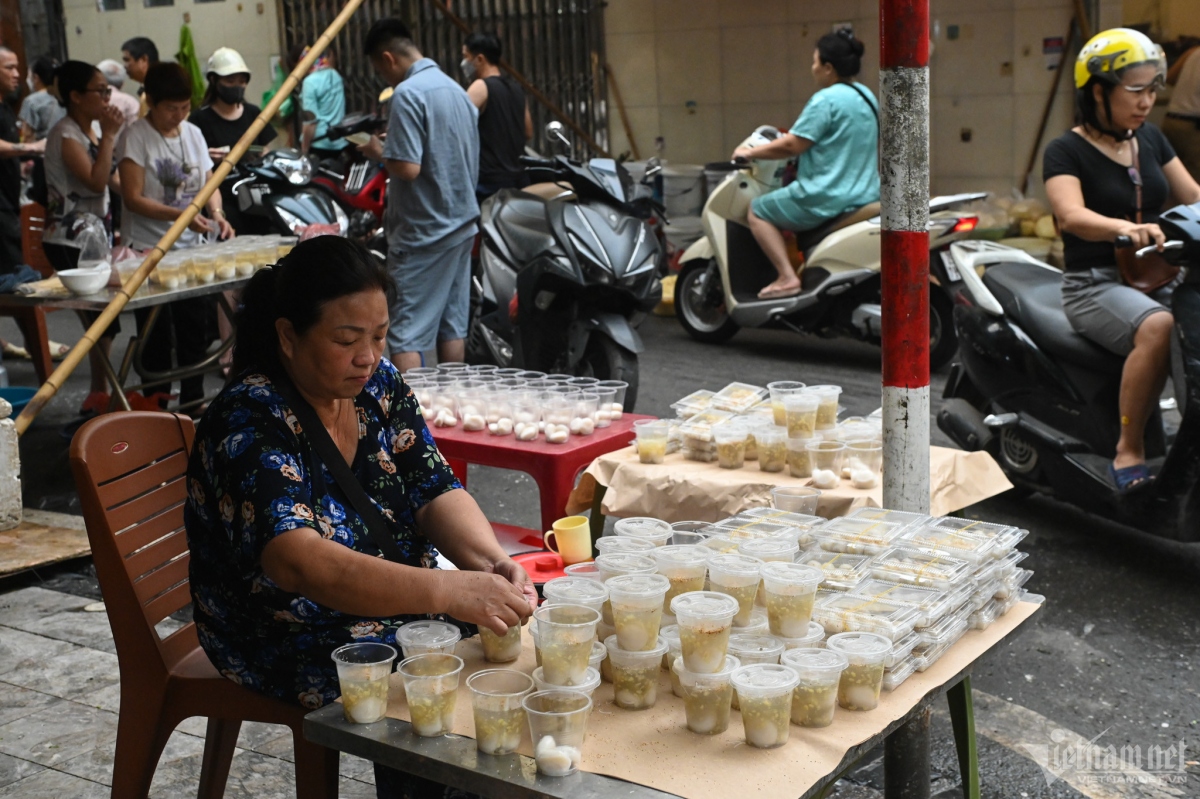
[{"x": 650, "y": 753}]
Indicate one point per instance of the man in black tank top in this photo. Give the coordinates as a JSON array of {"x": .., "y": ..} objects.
[{"x": 504, "y": 121}]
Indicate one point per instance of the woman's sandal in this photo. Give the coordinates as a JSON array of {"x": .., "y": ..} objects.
[
  {"x": 58, "y": 350},
  {"x": 13, "y": 351},
  {"x": 1129, "y": 477},
  {"x": 778, "y": 294}
]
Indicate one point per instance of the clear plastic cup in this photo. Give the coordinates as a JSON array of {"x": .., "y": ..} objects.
[
  {"x": 605, "y": 396},
  {"x": 204, "y": 265},
  {"x": 670, "y": 634},
  {"x": 655, "y": 531},
  {"x": 565, "y": 635},
  {"x": 583, "y": 414},
  {"x": 864, "y": 459},
  {"x": 795, "y": 499},
  {"x": 599, "y": 655},
  {"x": 501, "y": 648},
  {"x": 707, "y": 697},
  {"x": 537, "y": 641},
  {"x": 496, "y": 696},
  {"x": 686, "y": 567},
  {"x": 451, "y": 367},
  {"x": 584, "y": 383},
  {"x": 428, "y": 637},
  {"x": 527, "y": 415},
  {"x": 801, "y": 413},
  {"x": 265, "y": 253},
  {"x": 704, "y": 619},
  {"x": 860, "y": 683},
  {"x": 790, "y": 589},
  {"x": 618, "y": 563},
  {"x": 431, "y": 686},
  {"x": 827, "y": 410},
  {"x": 730, "y": 440},
  {"x": 772, "y": 448},
  {"x": 751, "y": 648},
  {"x": 500, "y": 414},
  {"x": 828, "y": 455},
  {"x": 737, "y": 576},
  {"x": 798, "y": 459},
  {"x": 616, "y": 406},
  {"x": 472, "y": 409},
  {"x": 586, "y": 686},
  {"x": 637, "y": 606},
  {"x": 816, "y": 695},
  {"x": 557, "y": 411},
  {"x": 557, "y": 725},
  {"x": 765, "y": 695},
  {"x": 587, "y": 570},
  {"x": 812, "y": 637},
  {"x": 635, "y": 674},
  {"x": 652, "y": 437},
  {"x": 245, "y": 259},
  {"x": 584, "y": 591},
  {"x": 622, "y": 543},
  {"x": 284, "y": 245},
  {"x": 779, "y": 390},
  {"x": 363, "y": 671}
]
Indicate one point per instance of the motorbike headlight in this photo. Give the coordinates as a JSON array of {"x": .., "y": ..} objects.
[{"x": 298, "y": 170}]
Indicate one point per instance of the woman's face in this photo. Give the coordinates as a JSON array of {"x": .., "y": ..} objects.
[
  {"x": 169, "y": 114},
  {"x": 92, "y": 101},
  {"x": 824, "y": 74},
  {"x": 1132, "y": 100},
  {"x": 336, "y": 357},
  {"x": 240, "y": 79}
]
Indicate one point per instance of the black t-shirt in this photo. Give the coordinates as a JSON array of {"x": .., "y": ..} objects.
[
  {"x": 221, "y": 132},
  {"x": 1108, "y": 187},
  {"x": 10, "y": 168},
  {"x": 502, "y": 134}
]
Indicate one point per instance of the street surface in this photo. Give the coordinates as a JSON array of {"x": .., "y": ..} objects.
[{"x": 1113, "y": 659}]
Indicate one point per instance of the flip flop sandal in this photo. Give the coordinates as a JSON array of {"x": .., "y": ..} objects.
[
  {"x": 1130, "y": 477},
  {"x": 58, "y": 350},
  {"x": 13, "y": 351},
  {"x": 778, "y": 294}
]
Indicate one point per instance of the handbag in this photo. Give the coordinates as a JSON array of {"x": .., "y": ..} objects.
[{"x": 1150, "y": 272}]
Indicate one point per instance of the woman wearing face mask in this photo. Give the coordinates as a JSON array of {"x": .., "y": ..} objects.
[{"x": 1112, "y": 175}]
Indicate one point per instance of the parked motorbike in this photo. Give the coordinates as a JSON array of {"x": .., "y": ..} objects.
[
  {"x": 567, "y": 269},
  {"x": 277, "y": 190},
  {"x": 1043, "y": 400},
  {"x": 356, "y": 183},
  {"x": 716, "y": 293}
]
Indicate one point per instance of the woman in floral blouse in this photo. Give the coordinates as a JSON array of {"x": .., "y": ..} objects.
[{"x": 283, "y": 570}]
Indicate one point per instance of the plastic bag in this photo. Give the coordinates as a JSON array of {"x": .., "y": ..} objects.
[{"x": 86, "y": 233}]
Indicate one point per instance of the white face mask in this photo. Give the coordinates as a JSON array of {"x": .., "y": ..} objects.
[{"x": 468, "y": 68}]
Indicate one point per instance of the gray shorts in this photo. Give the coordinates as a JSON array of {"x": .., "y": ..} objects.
[
  {"x": 1103, "y": 309},
  {"x": 433, "y": 297}
]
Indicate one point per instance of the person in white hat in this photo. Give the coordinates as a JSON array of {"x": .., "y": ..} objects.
[{"x": 225, "y": 115}]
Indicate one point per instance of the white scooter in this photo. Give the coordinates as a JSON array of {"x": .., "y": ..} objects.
[{"x": 716, "y": 292}]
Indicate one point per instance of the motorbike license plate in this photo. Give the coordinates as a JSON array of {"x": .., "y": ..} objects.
[{"x": 951, "y": 267}]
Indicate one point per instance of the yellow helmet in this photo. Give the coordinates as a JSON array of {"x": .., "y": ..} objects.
[{"x": 1111, "y": 52}]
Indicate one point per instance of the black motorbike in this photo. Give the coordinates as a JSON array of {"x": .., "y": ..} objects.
[
  {"x": 1042, "y": 399},
  {"x": 567, "y": 269},
  {"x": 275, "y": 195}
]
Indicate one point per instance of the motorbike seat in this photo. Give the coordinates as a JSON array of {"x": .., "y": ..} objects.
[
  {"x": 520, "y": 219},
  {"x": 806, "y": 239},
  {"x": 1032, "y": 296}
]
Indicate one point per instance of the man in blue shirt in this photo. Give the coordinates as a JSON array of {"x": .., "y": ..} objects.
[{"x": 432, "y": 157}]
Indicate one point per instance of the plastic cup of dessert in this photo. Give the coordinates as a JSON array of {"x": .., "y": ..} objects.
[
  {"x": 637, "y": 605},
  {"x": 816, "y": 694},
  {"x": 623, "y": 543},
  {"x": 707, "y": 697},
  {"x": 799, "y": 461},
  {"x": 811, "y": 638},
  {"x": 765, "y": 695},
  {"x": 587, "y": 685},
  {"x": 684, "y": 565},
  {"x": 585, "y": 591},
  {"x": 431, "y": 687},
  {"x": 779, "y": 390},
  {"x": 426, "y": 637},
  {"x": 730, "y": 440},
  {"x": 705, "y": 619},
  {"x": 790, "y": 589},
  {"x": 565, "y": 635},
  {"x": 860, "y": 683},
  {"x": 557, "y": 725},
  {"x": 827, "y": 409},
  {"x": 652, "y": 438},
  {"x": 635, "y": 674},
  {"x": 496, "y": 696},
  {"x": 800, "y": 410},
  {"x": 363, "y": 671},
  {"x": 738, "y": 576},
  {"x": 500, "y": 648},
  {"x": 656, "y": 531}
]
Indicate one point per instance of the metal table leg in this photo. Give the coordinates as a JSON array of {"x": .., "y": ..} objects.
[
  {"x": 114, "y": 380},
  {"x": 906, "y": 766}
]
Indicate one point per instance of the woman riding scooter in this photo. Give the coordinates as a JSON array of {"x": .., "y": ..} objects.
[
  {"x": 836, "y": 138},
  {"x": 1110, "y": 176}
]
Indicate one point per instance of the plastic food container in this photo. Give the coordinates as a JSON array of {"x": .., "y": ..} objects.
[
  {"x": 557, "y": 725},
  {"x": 428, "y": 637},
  {"x": 685, "y": 566},
  {"x": 501, "y": 649},
  {"x": 635, "y": 674},
  {"x": 609, "y": 544},
  {"x": 802, "y": 520},
  {"x": 770, "y": 549},
  {"x": 730, "y": 438},
  {"x": 765, "y": 697},
  {"x": 779, "y": 391},
  {"x": 901, "y": 650},
  {"x": 565, "y": 635},
  {"x": 704, "y": 619},
  {"x": 894, "y": 677},
  {"x": 862, "y": 680},
  {"x": 652, "y": 436},
  {"x": 575, "y": 591},
  {"x": 930, "y": 603},
  {"x": 974, "y": 549},
  {"x": 800, "y": 414},
  {"x": 363, "y": 671},
  {"x": 815, "y": 697},
  {"x": 1007, "y": 565},
  {"x": 857, "y": 536},
  {"x": 926, "y": 656},
  {"x": 903, "y": 518},
  {"x": 1012, "y": 586},
  {"x": 842, "y": 571},
  {"x": 827, "y": 410},
  {"x": 928, "y": 569},
  {"x": 707, "y": 697},
  {"x": 719, "y": 542},
  {"x": 637, "y": 606},
  {"x": 812, "y": 637},
  {"x": 692, "y": 404},
  {"x": 798, "y": 458},
  {"x": 738, "y": 397},
  {"x": 496, "y": 696},
  {"x": 796, "y": 499},
  {"x": 947, "y": 628},
  {"x": 738, "y": 576},
  {"x": 670, "y": 634},
  {"x": 655, "y": 531},
  {"x": 846, "y": 612},
  {"x": 588, "y": 685},
  {"x": 789, "y": 590},
  {"x": 1004, "y": 537},
  {"x": 431, "y": 687},
  {"x": 738, "y": 527}
]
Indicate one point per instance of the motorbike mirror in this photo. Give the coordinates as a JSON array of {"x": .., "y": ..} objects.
[
  {"x": 554, "y": 132},
  {"x": 652, "y": 171}
]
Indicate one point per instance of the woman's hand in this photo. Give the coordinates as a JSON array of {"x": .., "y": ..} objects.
[
  {"x": 1142, "y": 235},
  {"x": 743, "y": 152},
  {"x": 488, "y": 600},
  {"x": 111, "y": 120},
  {"x": 199, "y": 225},
  {"x": 513, "y": 572},
  {"x": 224, "y": 229}
]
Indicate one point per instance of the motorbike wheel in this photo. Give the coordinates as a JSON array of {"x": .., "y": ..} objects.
[
  {"x": 943, "y": 341},
  {"x": 604, "y": 359},
  {"x": 701, "y": 309}
]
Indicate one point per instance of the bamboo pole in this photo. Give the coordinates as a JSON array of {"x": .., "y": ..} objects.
[{"x": 93, "y": 333}]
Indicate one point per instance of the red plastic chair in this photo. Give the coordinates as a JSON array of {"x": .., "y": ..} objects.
[{"x": 130, "y": 469}]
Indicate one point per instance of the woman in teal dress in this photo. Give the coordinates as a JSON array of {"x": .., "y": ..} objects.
[{"x": 836, "y": 139}]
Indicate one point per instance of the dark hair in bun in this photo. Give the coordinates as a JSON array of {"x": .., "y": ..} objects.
[{"x": 842, "y": 51}]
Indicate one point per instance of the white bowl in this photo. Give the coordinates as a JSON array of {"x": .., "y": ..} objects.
[{"x": 82, "y": 282}]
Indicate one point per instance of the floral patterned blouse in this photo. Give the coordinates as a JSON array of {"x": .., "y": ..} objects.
[{"x": 250, "y": 479}]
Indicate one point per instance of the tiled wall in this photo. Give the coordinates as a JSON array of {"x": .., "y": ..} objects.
[
  {"x": 249, "y": 27},
  {"x": 703, "y": 73}
]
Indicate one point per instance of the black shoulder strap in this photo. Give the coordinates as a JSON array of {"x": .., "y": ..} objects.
[
  {"x": 866, "y": 100},
  {"x": 316, "y": 434}
]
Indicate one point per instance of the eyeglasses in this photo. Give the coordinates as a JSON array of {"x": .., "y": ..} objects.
[{"x": 105, "y": 92}]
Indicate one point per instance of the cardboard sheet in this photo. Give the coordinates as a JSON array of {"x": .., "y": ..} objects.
[
  {"x": 654, "y": 747},
  {"x": 679, "y": 489}
]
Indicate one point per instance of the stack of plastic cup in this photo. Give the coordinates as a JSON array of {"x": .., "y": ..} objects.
[
  {"x": 765, "y": 696},
  {"x": 656, "y": 531},
  {"x": 496, "y": 703},
  {"x": 816, "y": 695},
  {"x": 431, "y": 687},
  {"x": 685, "y": 566},
  {"x": 705, "y": 619},
  {"x": 635, "y": 673},
  {"x": 780, "y": 390},
  {"x": 708, "y": 697},
  {"x": 557, "y": 726},
  {"x": 637, "y": 605},
  {"x": 790, "y": 589},
  {"x": 862, "y": 680},
  {"x": 738, "y": 576},
  {"x": 363, "y": 671},
  {"x": 827, "y": 409}
]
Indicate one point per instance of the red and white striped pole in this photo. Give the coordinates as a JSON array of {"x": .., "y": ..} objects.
[{"x": 904, "y": 178}]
